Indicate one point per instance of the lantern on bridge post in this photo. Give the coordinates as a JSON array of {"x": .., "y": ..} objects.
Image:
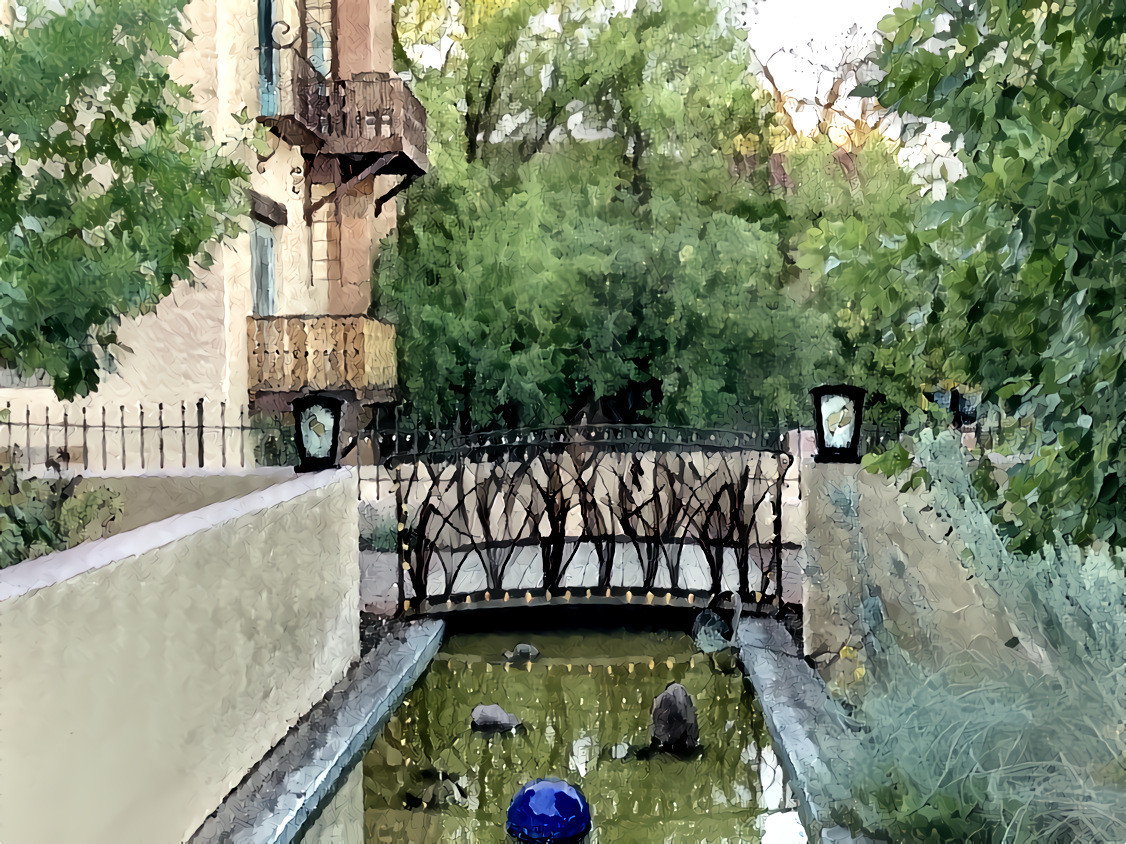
[
  {"x": 838, "y": 412},
  {"x": 318, "y": 432}
]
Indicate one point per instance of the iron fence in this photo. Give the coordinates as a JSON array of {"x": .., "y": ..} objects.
[{"x": 139, "y": 438}]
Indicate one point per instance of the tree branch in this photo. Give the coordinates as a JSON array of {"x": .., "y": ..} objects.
[{"x": 473, "y": 127}]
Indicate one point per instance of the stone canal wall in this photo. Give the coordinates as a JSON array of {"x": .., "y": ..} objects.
[{"x": 874, "y": 554}]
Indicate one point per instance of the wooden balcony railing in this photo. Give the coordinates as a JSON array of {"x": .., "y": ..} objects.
[
  {"x": 371, "y": 113},
  {"x": 294, "y": 353}
]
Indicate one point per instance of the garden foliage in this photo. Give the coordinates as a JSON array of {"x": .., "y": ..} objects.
[
  {"x": 41, "y": 516},
  {"x": 275, "y": 440},
  {"x": 1013, "y": 281}
]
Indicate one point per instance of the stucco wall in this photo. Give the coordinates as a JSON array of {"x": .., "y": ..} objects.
[
  {"x": 867, "y": 539},
  {"x": 141, "y": 676}
]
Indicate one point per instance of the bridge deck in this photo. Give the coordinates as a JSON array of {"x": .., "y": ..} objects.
[{"x": 615, "y": 596}]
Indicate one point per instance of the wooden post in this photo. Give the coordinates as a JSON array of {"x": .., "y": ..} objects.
[
  {"x": 141, "y": 429},
  {"x": 27, "y": 431},
  {"x": 242, "y": 436},
  {"x": 103, "y": 437},
  {"x": 199, "y": 429},
  {"x": 46, "y": 434},
  {"x": 183, "y": 435},
  {"x": 85, "y": 448},
  {"x": 160, "y": 430},
  {"x": 66, "y": 440},
  {"x": 223, "y": 433}
]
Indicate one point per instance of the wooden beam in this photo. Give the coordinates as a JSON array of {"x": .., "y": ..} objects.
[
  {"x": 343, "y": 188},
  {"x": 267, "y": 210},
  {"x": 391, "y": 194}
]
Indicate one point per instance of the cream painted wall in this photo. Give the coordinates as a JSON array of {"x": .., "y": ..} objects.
[
  {"x": 147, "y": 499},
  {"x": 195, "y": 343},
  {"x": 177, "y": 654}
]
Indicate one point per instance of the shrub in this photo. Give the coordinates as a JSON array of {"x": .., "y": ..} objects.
[
  {"x": 382, "y": 537},
  {"x": 378, "y": 531},
  {"x": 989, "y": 754},
  {"x": 41, "y": 516},
  {"x": 275, "y": 443}
]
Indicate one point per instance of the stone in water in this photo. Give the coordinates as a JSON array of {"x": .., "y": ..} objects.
[
  {"x": 491, "y": 718},
  {"x": 522, "y": 652},
  {"x": 711, "y": 632},
  {"x": 674, "y": 729}
]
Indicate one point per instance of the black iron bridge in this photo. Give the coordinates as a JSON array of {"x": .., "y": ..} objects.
[{"x": 593, "y": 515}]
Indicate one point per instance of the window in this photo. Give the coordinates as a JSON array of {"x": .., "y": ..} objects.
[
  {"x": 267, "y": 60},
  {"x": 318, "y": 50},
  {"x": 262, "y": 268}
]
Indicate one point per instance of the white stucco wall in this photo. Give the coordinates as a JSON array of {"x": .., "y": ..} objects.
[{"x": 141, "y": 676}]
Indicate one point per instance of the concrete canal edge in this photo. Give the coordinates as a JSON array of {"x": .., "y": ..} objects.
[
  {"x": 798, "y": 713},
  {"x": 282, "y": 795}
]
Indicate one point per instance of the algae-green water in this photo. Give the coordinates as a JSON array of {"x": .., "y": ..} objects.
[{"x": 585, "y": 705}]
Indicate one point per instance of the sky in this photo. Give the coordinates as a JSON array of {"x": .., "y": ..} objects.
[
  {"x": 798, "y": 39},
  {"x": 801, "y": 40}
]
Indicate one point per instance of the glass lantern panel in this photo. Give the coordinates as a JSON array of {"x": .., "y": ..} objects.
[
  {"x": 839, "y": 418},
  {"x": 317, "y": 431}
]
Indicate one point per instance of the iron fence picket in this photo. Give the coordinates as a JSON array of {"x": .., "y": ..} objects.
[{"x": 199, "y": 423}]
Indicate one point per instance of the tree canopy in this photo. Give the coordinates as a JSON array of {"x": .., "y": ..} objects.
[
  {"x": 1013, "y": 281},
  {"x": 111, "y": 188},
  {"x": 598, "y": 222}
]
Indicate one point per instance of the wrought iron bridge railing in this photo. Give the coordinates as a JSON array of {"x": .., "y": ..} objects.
[{"x": 589, "y": 513}]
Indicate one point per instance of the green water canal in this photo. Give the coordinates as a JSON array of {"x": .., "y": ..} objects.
[{"x": 585, "y": 704}]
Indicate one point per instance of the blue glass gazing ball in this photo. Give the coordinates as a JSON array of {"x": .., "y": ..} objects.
[{"x": 548, "y": 810}]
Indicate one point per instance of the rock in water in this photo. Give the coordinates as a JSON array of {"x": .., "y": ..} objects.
[
  {"x": 445, "y": 792},
  {"x": 522, "y": 653},
  {"x": 491, "y": 718},
  {"x": 716, "y": 626},
  {"x": 674, "y": 729},
  {"x": 711, "y": 633}
]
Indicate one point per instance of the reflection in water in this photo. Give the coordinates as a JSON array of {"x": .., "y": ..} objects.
[
  {"x": 342, "y": 820},
  {"x": 585, "y": 704}
]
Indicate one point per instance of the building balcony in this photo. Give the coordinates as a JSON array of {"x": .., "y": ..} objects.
[
  {"x": 292, "y": 354},
  {"x": 366, "y": 116}
]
